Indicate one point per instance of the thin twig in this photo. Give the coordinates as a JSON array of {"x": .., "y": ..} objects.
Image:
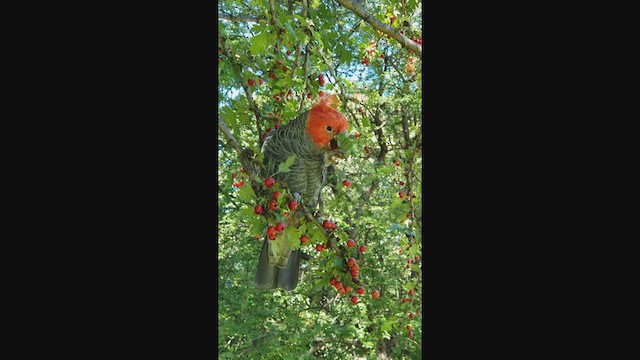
[{"x": 357, "y": 9}]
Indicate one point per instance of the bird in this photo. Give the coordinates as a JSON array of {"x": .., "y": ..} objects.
[{"x": 310, "y": 137}]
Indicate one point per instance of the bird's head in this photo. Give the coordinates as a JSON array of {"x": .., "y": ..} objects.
[{"x": 325, "y": 122}]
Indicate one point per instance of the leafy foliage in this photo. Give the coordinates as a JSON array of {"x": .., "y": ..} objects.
[{"x": 271, "y": 56}]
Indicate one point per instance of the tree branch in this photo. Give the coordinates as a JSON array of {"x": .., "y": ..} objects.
[
  {"x": 245, "y": 18},
  {"x": 380, "y": 26},
  {"x": 243, "y": 155}
]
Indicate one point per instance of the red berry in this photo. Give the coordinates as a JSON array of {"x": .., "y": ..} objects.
[
  {"x": 293, "y": 205},
  {"x": 279, "y": 227},
  {"x": 328, "y": 224},
  {"x": 401, "y": 183},
  {"x": 381, "y": 56},
  {"x": 351, "y": 243},
  {"x": 407, "y": 266},
  {"x": 401, "y": 250},
  {"x": 391, "y": 19},
  {"x": 333, "y": 281},
  {"x": 354, "y": 273},
  {"x": 410, "y": 333},
  {"x": 284, "y": 68},
  {"x": 269, "y": 182},
  {"x": 375, "y": 294},
  {"x": 338, "y": 285},
  {"x": 289, "y": 93},
  {"x": 304, "y": 239},
  {"x": 355, "y": 267},
  {"x": 417, "y": 257},
  {"x": 408, "y": 216},
  {"x": 346, "y": 183},
  {"x": 408, "y": 194},
  {"x": 321, "y": 93},
  {"x": 271, "y": 230},
  {"x": 276, "y": 97},
  {"x": 258, "y": 209},
  {"x": 355, "y": 279},
  {"x": 351, "y": 262},
  {"x": 404, "y": 300},
  {"x": 408, "y": 327},
  {"x": 354, "y": 299},
  {"x": 412, "y": 292},
  {"x": 347, "y": 289},
  {"x": 341, "y": 291},
  {"x": 363, "y": 248},
  {"x": 418, "y": 311},
  {"x": 309, "y": 96},
  {"x": 401, "y": 194},
  {"x": 273, "y": 205},
  {"x": 233, "y": 176},
  {"x": 410, "y": 316},
  {"x": 251, "y": 82},
  {"x": 319, "y": 247},
  {"x": 239, "y": 184},
  {"x": 360, "y": 110},
  {"x": 285, "y": 214},
  {"x": 288, "y": 53},
  {"x": 366, "y": 149},
  {"x": 272, "y": 237},
  {"x": 360, "y": 290},
  {"x": 357, "y": 135},
  {"x": 276, "y": 195}
]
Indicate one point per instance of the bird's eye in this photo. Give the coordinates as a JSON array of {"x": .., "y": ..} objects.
[{"x": 328, "y": 128}]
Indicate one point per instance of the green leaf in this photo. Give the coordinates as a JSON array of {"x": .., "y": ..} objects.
[
  {"x": 257, "y": 225},
  {"x": 408, "y": 286},
  {"x": 386, "y": 326},
  {"x": 246, "y": 193},
  {"x": 293, "y": 236},
  {"x": 228, "y": 115},
  {"x": 291, "y": 31},
  {"x": 337, "y": 262},
  {"x": 258, "y": 44},
  {"x": 284, "y": 167}
]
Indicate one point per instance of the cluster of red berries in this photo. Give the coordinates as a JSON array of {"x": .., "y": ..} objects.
[
  {"x": 396, "y": 162},
  {"x": 365, "y": 61},
  {"x": 273, "y": 231},
  {"x": 417, "y": 40},
  {"x": 321, "y": 79},
  {"x": 240, "y": 183}
]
